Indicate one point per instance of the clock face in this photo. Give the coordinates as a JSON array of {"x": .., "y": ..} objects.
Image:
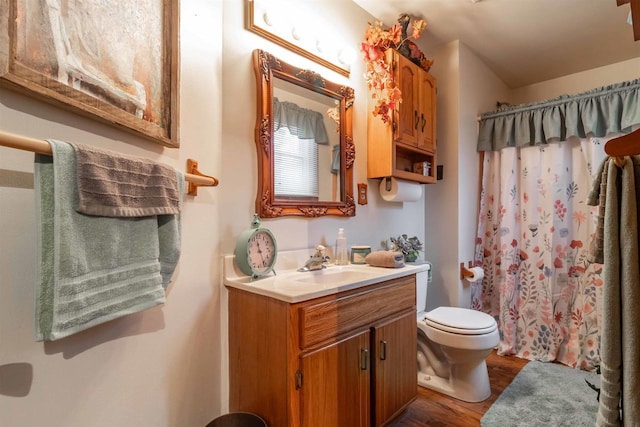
[{"x": 262, "y": 252}]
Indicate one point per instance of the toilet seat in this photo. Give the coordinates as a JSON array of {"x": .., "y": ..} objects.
[{"x": 461, "y": 321}]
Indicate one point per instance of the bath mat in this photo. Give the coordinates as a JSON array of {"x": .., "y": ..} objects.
[{"x": 546, "y": 394}]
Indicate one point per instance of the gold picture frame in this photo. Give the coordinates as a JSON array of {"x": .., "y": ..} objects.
[{"x": 113, "y": 62}]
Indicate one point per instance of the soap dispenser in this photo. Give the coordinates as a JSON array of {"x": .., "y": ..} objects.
[{"x": 342, "y": 257}]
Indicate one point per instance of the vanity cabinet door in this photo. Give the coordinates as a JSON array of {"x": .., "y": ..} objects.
[
  {"x": 335, "y": 384},
  {"x": 394, "y": 366}
]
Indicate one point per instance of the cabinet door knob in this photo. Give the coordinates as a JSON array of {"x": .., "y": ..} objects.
[{"x": 383, "y": 350}]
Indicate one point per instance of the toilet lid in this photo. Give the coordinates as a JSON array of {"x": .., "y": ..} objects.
[{"x": 460, "y": 320}]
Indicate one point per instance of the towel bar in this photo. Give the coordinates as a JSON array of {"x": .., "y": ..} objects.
[{"x": 194, "y": 177}]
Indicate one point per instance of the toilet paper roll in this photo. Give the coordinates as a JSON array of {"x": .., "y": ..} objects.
[
  {"x": 478, "y": 274},
  {"x": 397, "y": 190}
]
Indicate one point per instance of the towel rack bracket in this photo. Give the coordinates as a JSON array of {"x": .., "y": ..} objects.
[{"x": 195, "y": 181}]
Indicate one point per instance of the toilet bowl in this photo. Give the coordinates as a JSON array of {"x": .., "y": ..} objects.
[{"x": 453, "y": 344}]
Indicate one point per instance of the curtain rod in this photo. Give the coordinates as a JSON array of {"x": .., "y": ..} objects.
[
  {"x": 194, "y": 177},
  {"x": 563, "y": 99}
]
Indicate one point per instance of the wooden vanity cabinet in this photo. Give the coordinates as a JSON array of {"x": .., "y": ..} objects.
[
  {"x": 340, "y": 360},
  {"x": 394, "y": 148}
]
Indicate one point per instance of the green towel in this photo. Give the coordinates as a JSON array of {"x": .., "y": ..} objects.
[
  {"x": 598, "y": 197},
  {"x": 94, "y": 269}
]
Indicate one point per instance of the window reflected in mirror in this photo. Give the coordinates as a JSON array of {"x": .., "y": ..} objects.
[
  {"x": 295, "y": 166},
  {"x": 306, "y": 143}
]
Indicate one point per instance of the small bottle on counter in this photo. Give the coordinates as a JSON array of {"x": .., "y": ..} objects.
[{"x": 342, "y": 257}]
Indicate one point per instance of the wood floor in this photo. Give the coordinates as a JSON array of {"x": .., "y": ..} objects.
[{"x": 435, "y": 410}]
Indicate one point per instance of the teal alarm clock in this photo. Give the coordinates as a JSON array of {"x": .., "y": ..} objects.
[{"x": 256, "y": 250}]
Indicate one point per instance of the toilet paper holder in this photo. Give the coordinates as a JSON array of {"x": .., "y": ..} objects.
[{"x": 464, "y": 272}]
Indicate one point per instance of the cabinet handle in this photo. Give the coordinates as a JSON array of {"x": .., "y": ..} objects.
[
  {"x": 383, "y": 350},
  {"x": 364, "y": 359},
  {"x": 415, "y": 119},
  {"x": 298, "y": 380},
  {"x": 424, "y": 122}
]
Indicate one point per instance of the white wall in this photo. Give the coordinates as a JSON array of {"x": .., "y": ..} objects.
[
  {"x": 441, "y": 199},
  {"x": 480, "y": 88},
  {"x": 238, "y": 142},
  {"x": 466, "y": 88},
  {"x": 578, "y": 82},
  {"x": 160, "y": 367}
]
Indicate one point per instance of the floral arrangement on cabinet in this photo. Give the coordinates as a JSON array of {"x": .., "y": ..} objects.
[{"x": 378, "y": 74}]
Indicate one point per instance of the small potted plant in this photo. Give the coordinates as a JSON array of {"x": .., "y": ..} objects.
[{"x": 409, "y": 246}]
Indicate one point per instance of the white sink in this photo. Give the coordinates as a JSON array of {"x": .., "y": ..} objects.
[
  {"x": 334, "y": 275},
  {"x": 293, "y": 286}
]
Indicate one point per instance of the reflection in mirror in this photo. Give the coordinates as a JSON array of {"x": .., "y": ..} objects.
[{"x": 304, "y": 143}]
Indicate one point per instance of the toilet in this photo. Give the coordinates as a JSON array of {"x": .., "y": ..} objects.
[{"x": 453, "y": 344}]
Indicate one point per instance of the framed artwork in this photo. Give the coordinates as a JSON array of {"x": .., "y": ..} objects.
[{"x": 114, "y": 61}]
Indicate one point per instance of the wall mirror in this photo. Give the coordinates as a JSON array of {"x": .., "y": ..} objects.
[{"x": 303, "y": 140}]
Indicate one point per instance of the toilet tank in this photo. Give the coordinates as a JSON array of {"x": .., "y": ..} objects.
[{"x": 422, "y": 280}]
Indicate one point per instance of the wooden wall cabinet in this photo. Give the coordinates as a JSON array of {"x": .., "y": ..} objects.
[
  {"x": 394, "y": 148},
  {"x": 343, "y": 360}
]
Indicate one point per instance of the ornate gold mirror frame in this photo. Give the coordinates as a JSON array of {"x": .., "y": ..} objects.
[{"x": 268, "y": 205}]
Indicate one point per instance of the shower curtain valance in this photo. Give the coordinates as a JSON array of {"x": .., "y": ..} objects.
[{"x": 598, "y": 112}]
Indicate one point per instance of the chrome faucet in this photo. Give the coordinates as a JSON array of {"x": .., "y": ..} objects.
[{"x": 316, "y": 261}]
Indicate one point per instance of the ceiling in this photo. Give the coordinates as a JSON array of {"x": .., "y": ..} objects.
[{"x": 523, "y": 41}]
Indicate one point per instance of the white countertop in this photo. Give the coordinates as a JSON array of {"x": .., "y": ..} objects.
[{"x": 292, "y": 286}]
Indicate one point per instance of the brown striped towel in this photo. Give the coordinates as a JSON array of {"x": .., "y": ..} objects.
[
  {"x": 115, "y": 185},
  {"x": 389, "y": 259}
]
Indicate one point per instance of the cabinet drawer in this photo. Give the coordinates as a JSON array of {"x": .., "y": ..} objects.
[{"x": 328, "y": 319}]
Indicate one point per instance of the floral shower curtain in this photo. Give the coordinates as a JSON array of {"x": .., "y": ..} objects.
[
  {"x": 533, "y": 241},
  {"x": 534, "y": 227}
]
